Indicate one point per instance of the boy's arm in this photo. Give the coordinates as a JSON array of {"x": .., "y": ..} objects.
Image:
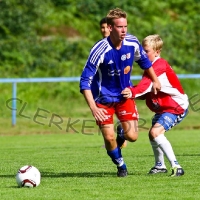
[
  {"x": 148, "y": 82},
  {"x": 98, "y": 113},
  {"x": 143, "y": 87},
  {"x": 154, "y": 78}
]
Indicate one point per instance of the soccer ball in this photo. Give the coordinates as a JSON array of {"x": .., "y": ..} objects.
[{"x": 28, "y": 176}]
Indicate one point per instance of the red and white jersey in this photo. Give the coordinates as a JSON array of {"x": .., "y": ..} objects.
[{"x": 171, "y": 98}]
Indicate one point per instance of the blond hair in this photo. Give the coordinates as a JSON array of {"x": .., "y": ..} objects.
[
  {"x": 154, "y": 41},
  {"x": 115, "y": 14}
]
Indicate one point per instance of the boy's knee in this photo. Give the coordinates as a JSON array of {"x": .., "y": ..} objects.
[
  {"x": 132, "y": 138},
  {"x": 153, "y": 133}
]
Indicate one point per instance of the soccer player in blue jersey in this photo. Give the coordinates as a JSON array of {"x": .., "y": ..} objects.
[
  {"x": 105, "y": 32},
  {"x": 106, "y": 73}
]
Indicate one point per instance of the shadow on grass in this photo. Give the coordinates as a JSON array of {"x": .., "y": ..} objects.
[
  {"x": 80, "y": 175},
  {"x": 7, "y": 176},
  {"x": 73, "y": 174},
  {"x": 176, "y": 155}
]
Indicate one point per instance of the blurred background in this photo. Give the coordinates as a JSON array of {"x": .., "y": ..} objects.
[{"x": 52, "y": 38}]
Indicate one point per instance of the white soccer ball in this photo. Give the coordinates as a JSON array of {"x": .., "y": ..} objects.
[{"x": 28, "y": 176}]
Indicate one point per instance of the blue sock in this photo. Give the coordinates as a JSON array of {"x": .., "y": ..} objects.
[
  {"x": 121, "y": 133},
  {"x": 117, "y": 158}
]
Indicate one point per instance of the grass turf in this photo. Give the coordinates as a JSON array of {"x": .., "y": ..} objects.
[{"x": 75, "y": 166}]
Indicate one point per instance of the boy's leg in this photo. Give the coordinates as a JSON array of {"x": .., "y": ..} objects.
[
  {"x": 159, "y": 166},
  {"x": 121, "y": 140},
  {"x": 162, "y": 123},
  {"x": 130, "y": 129},
  {"x": 107, "y": 129},
  {"x": 113, "y": 150},
  {"x": 166, "y": 147},
  {"x": 127, "y": 113},
  {"x": 128, "y": 116}
]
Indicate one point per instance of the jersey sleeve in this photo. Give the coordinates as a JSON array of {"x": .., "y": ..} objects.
[
  {"x": 91, "y": 66},
  {"x": 87, "y": 76},
  {"x": 140, "y": 55},
  {"x": 141, "y": 58},
  {"x": 143, "y": 87}
]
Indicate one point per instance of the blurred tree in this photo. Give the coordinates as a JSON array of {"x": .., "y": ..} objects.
[{"x": 53, "y": 37}]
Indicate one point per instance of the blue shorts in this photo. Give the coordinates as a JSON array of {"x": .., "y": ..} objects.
[{"x": 168, "y": 120}]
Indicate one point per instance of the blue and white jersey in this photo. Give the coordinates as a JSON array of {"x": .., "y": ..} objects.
[{"x": 107, "y": 71}]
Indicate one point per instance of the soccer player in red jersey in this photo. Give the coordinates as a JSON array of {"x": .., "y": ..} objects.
[{"x": 170, "y": 105}]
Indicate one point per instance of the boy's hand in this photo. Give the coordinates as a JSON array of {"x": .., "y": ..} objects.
[
  {"x": 126, "y": 93},
  {"x": 156, "y": 87}
]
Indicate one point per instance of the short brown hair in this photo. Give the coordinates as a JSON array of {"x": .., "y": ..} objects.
[{"x": 115, "y": 14}]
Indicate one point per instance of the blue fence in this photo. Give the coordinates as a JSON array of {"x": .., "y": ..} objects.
[{"x": 14, "y": 82}]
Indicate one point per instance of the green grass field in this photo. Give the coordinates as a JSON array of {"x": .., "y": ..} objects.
[
  {"x": 60, "y": 138},
  {"x": 76, "y": 166}
]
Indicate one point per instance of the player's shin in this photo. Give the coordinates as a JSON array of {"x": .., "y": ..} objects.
[{"x": 118, "y": 160}]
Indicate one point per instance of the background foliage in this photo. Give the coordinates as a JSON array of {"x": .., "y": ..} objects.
[{"x": 53, "y": 37}]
